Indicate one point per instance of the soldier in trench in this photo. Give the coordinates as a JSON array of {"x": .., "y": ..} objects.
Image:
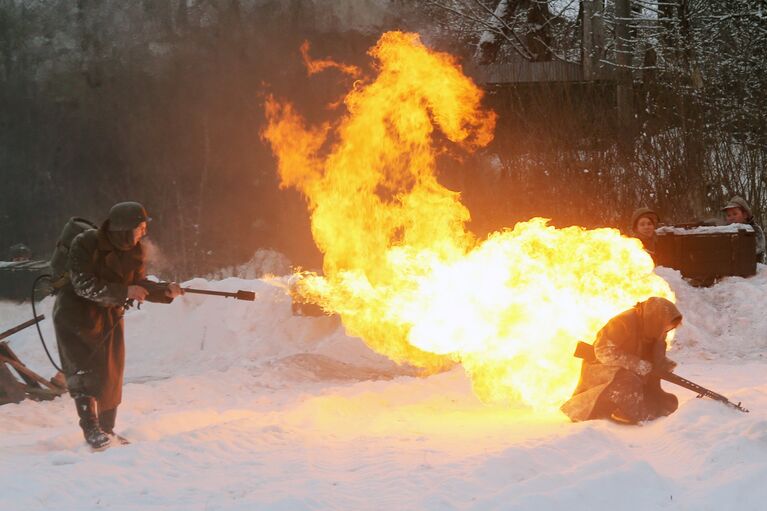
[
  {"x": 737, "y": 211},
  {"x": 644, "y": 221}
]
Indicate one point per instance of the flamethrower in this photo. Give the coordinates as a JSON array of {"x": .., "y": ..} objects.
[
  {"x": 159, "y": 288},
  {"x": 249, "y": 296},
  {"x": 586, "y": 352},
  {"x": 154, "y": 288}
]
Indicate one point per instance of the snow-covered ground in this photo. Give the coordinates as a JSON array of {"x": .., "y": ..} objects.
[{"x": 241, "y": 406}]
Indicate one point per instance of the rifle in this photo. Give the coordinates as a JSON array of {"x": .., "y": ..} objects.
[
  {"x": 22, "y": 326},
  {"x": 586, "y": 352}
]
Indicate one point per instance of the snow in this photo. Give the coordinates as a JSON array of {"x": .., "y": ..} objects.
[
  {"x": 241, "y": 406},
  {"x": 705, "y": 229},
  {"x": 567, "y": 9}
]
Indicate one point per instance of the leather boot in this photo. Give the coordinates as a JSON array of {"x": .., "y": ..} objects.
[
  {"x": 627, "y": 395},
  {"x": 87, "y": 410},
  {"x": 107, "y": 422}
]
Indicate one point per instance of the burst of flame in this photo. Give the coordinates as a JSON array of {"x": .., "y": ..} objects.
[
  {"x": 314, "y": 66},
  {"x": 401, "y": 269}
]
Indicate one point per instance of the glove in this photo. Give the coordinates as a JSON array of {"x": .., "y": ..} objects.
[{"x": 643, "y": 368}]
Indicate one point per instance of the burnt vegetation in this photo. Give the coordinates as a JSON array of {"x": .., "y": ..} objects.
[{"x": 645, "y": 103}]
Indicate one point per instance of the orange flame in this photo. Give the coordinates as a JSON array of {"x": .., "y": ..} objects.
[
  {"x": 314, "y": 66},
  {"x": 401, "y": 269}
]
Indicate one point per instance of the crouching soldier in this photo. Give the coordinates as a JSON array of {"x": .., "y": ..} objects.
[
  {"x": 106, "y": 269},
  {"x": 618, "y": 383}
]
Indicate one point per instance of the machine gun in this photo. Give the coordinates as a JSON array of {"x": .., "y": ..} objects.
[{"x": 586, "y": 352}]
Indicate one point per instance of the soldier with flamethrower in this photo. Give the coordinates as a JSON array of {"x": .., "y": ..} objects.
[{"x": 106, "y": 268}]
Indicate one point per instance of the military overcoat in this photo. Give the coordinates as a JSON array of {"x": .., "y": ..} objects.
[
  {"x": 88, "y": 314},
  {"x": 628, "y": 338}
]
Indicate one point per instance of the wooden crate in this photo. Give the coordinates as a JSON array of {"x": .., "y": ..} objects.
[
  {"x": 707, "y": 256},
  {"x": 16, "y": 279}
]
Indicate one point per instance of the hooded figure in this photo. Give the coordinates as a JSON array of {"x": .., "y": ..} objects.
[
  {"x": 737, "y": 211},
  {"x": 106, "y": 268},
  {"x": 644, "y": 221},
  {"x": 619, "y": 383}
]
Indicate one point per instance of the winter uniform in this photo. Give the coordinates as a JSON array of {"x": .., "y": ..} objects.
[
  {"x": 761, "y": 245},
  {"x": 88, "y": 316},
  {"x": 618, "y": 383},
  {"x": 647, "y": 243}
]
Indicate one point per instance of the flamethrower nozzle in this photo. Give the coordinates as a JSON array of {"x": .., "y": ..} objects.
[{"x": 248, "y": 296}]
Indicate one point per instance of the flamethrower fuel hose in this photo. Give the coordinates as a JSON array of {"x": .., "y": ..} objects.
[
  {"x": 49, "y": 278},
  {"x": 40, "y": 278}
]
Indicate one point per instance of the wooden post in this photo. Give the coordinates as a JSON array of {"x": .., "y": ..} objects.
[
  {"x": 587, "y": 41},
  {"x": 22, "y": 326}
]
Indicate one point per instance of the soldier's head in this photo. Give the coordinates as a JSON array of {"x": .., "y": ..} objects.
[
  {"x": 130, "y": 219},
  {"x": 659, "y": 316},
  {"x": 736, "y": 211},
  {"x": 643, "y": 222}
]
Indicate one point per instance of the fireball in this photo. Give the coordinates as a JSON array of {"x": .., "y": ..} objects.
[{"x": 401, "y": 268}]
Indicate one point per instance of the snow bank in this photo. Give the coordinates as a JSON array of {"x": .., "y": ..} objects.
[
  {"x": 240, "y": 406},
  {"x": 727, "y": 320},
  {"x": 704, "y": 229}
]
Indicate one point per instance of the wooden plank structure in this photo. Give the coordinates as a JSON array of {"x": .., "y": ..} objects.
[
  {"x": 522, "y": 71},
  {"x": 519, "y": 70},
  {"x": 606, "y": 57},
  {"x": 593, "y": 65},
  {"x": 27, "y": 384},
  {"x": 702, "y": 258}
]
